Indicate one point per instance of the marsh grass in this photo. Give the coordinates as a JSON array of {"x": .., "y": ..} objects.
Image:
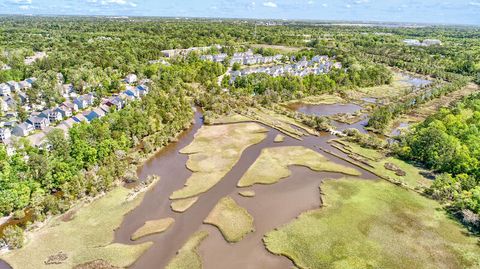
[
  {"x": 153, "y": 227},
  {"x": 273, "y": 164},
  {"x": 377, "y": 160},
  {"x": 187, "y": 257},
  {"x": 214, "y": 152},
  {"x": 279, "y": 138},
  {"x": 368, "y": 224},
  {"x": 85, "y": 238},
  {"x": 233, "y": 221},
  {"x": 183, "y": 205},
  {"x": 248, "y": 193}
]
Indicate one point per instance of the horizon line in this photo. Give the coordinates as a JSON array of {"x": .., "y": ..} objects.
[{"x": 360, "y": 22}]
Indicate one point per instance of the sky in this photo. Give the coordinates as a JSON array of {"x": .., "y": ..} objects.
[{"x": 424, "y": 11}]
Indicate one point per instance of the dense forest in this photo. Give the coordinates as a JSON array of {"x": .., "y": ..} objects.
[{"x": 449, "y": 143}]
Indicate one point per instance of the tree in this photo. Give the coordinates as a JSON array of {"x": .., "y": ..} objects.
[{"x": 236, "y": 67}]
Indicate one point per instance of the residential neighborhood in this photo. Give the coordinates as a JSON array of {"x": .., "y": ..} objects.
[
  {"x": 75, "y": 109},
  {"x": 183, "y": 52}
]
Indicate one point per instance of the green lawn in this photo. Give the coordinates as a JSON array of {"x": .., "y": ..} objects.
[
  {"x": 231, "y": 219},
  {"x": 273, "y": 165},
  {"x": 374, "y": 224}
]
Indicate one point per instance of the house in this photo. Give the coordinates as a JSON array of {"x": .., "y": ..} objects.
[
  {"x": 143, "y": 90},
  {"x": 431, "y": 42},
  {"x": 68, "y": 123},
  {"x": 14, "y": 86},
  {"x": 412, "y": 42},
  {"x": 72, "y": 106},
  {"x": 67, "y": 89},
  {"x": 104, "y": 108},
  {"x": 249, "y": 60},
  {"x": 220, "y": 57},
  {"x": 206, "y": 58},
  {"x": 5, "y": 67},
  {"x": 10, "y": 102},
  {"x": 79, "y": 118},
  {"x": 116, "y": 101},
  {"x": 25, "y": 85},
  {"x": 97, "y": 113},
  {"x": 65, "y": 111},
  {"x": 126, "y": 97},
  {"x": 55, "y": 115},
  {"x": 38, "y": 122},
  {"x": 31, "y": 80},
  {"x": 5, "y": 135},
  {"x": 235, "y": 60},
  {"x": 10, "y": 124},
  {"x": 132, "y": 92},
  {"x": 23, "y": 129},
  {"x": 84, "y": 101},
  {"x": 23, "y": 97},
  {"x": 5, "y": 89},
  {"x": 169, "y": 53},
  {"x": 130, "y": 79},
  {"x": 3, "y": 105}
]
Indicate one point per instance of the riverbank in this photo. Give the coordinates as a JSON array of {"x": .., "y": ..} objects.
[{"x": 86, "y": 237}]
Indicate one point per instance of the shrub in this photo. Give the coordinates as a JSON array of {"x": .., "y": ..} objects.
[{"x": 13, "y": 237}]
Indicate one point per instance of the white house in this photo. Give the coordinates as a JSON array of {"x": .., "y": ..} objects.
[
  {"x": 5, "y": 134},
  {"x": 5, "y": 89},
  {"x": 39, "y": 123},
  {"x": 132, "y": 78},
  {"x": 23, "y": 129},
  {"x": 14, "y": 86}
]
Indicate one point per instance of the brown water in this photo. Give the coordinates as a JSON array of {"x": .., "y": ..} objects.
[{"x": 273, "y": 205}]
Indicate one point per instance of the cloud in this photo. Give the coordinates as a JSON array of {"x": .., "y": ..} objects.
[
  {"x": 311, "y": 2},
  {"x": 22, "y": 1},
  {"x": 475, "y": 4},
  {"x": 269, "y": 4},
  {"x": 359, "y": 2},
  {"x": 24, "y": 7}
]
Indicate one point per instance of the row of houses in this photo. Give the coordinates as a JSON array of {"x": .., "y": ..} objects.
[
  {"x": 69, "y": 113},
  {"x": 243, "y": 58},
  {"x": 12, "y": 86},
  {"x": 424, "y": 43},
  {"x": 184, "y": 52},
  {"x": 317, "y": 66}
]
